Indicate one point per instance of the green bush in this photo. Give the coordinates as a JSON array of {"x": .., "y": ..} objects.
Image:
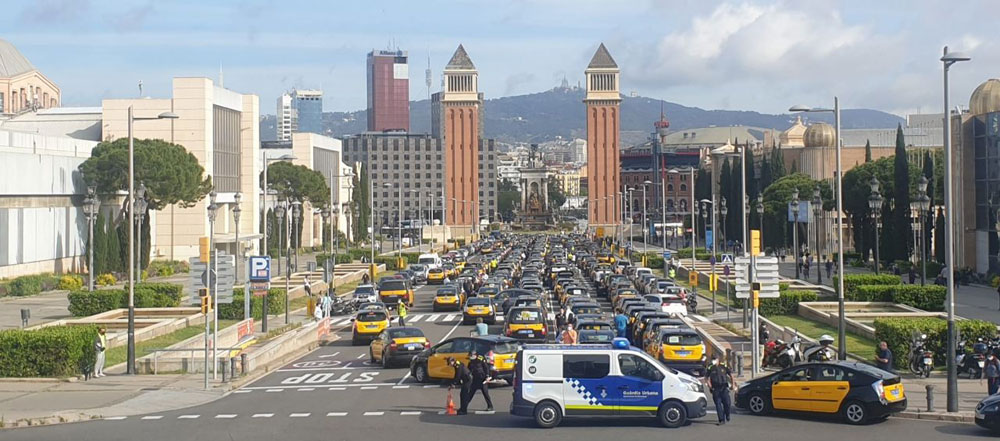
[
  {"x": 390, "y": 262},
  {"x": 106, "y": 280},
  {"x": 898, "y": 332},
  {"x": 71, "y": 282},
  {"x": 55, "y": 351},
  {"x": 341, "y": 258},
  {"x": 686, "y": 253},
  {"x": 234, "y": 311},
  {"x": 147, "y": 295},
  {"x": 854, "y": 280},
  {"x": 928, "y": 298},
  {"x": 787, "y": 302},
  {"x": 25, "y": 286}
]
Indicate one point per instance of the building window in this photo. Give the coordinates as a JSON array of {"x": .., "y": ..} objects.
[
  {"x": 439, "y": 175},
  {"x": 684, "y": 187},
  {"x": 395, "y": 176},
  {"x": 385, "y": 194},
  {"x": 670, "y": 187},
  {"x": 428, "y": 175}
]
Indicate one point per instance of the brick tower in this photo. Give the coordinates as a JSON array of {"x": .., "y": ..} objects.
[
  {"x": 460, "y": 131},
  {"x": 603, "y": 164}
]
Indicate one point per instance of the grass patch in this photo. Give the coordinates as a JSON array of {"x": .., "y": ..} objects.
[
  {"x": 856, "y": 344},
  {"x": 119, "y": 354}
]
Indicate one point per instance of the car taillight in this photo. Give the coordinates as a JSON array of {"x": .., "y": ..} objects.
[
  {"x": 879, "y": 389},
  {"x": 545, "y": 329},
  {"x": 427, "y": 345},
  {"x": 392, "y": 345}
]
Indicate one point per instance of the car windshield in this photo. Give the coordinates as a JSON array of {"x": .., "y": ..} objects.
[
  {"x": 681, "y": 339},
  {"x": 392, "y": 285},
  {"x": 525, "y": 316},
  {"x": 371, "y": 316},
  {"x": 364, "y": 290},
  {"x": 447, "y": 293},
  {"x": 586, "y": 309},
  {"x": 405, "y": 332},
  {"x": 427, "y": 260},
  {"x": 417, "y": 268},
  {"x": 478, "y": 301}
]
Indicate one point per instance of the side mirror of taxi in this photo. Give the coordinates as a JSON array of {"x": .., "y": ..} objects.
[{"x": 352, "y": 319}]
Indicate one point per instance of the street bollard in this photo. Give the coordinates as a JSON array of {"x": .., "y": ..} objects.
[
  {"x": 739, "y": 364},
  {"x": 232, "y": 368},
  {"x": 930, "y": 397},
  {"x": 243, "y": 364},
  {"x": 222, "y": 368}
]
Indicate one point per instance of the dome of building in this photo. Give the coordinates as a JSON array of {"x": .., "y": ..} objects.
[
  {"x": 986, "y": 98},
  {"x": 792, "y": 137},
  {"x": 818, "y": 135},
  {"x": 12, "y": 62}
]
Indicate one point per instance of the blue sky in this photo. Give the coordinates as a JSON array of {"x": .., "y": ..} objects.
[{"x": 747, "y": 55}]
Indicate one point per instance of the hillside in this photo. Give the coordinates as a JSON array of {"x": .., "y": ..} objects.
[{"x": 558, "y": 112}]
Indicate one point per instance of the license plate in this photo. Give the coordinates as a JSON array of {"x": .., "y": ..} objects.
[
  {"x": 928, "y": 361},
  {"x": 895, "y": 393},
  {"x": 683, "y": 352},
  {"x": 528, "y": 333},
  {"x": 414, "y": 346}
]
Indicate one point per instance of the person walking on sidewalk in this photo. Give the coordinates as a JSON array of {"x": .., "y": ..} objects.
[
  {"x": 829, "y": 267},
  {"x": 401, "y": 312},
  {"x": 307, "y": 286},
  {"x": 720, "y": 381},
  {"x": 100, "y": 345},
  {"x": 992, "y": 374}
]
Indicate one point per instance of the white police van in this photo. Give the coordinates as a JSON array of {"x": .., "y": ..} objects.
[{"x": 553, "y": 381}]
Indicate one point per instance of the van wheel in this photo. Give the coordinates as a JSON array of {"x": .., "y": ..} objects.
[
  {"x": 547, "y": 415},
  {"x": 758, "y": 404},
  {"x": 855, "y": 412},
  {"x": 420, "y": 373},
  {"x": 672, "y": 414}
]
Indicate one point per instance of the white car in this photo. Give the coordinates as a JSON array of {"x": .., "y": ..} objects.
[
  {"x": 365, "y": 294},
  {"x": 672, "y": 304}
]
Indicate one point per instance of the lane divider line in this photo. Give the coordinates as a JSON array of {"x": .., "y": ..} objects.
[
  {"x": 374, "y": 413},
  {"x": 262, "y": 415},
  {"x": 338, "y": 388},
  {"x": 369, "y": 387},
  {"x": 401, "y": 387},
  {"x": 115, "y": 418},
  {"x": 225, "y": 416},
  {"x": 274, "y": 390},
  {"x": 188, "y": 417},
  {"x": 242, "y": 391},
  {"x": 336, "y": 414},
  {"x": 152, "y": 417},
  {"x": 409, "y": 413},
  {"x": 306, "y": 389},
  {"x": 299, "y": 415}
]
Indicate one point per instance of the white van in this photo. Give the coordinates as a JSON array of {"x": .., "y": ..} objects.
[
  {"x": 433, "y": 261},
  {"x": 553, "y": 381}
]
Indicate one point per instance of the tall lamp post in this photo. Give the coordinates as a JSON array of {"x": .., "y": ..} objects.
[
  {"x": 140, "y": 207},
  {"x": 130, "y": 367},
  {"x": 279, "y": 211},
  {"x": 817, "y": 220},
  {"x": 213, "y": 210},
  {"x": 296, "y": 222},
  {"x": 645, "y": 226},
  {"x": 723, "y": 211},
  {"x": 336, "y": 247},
  {"x": 91, "y": 205},
  {"x": 795, "y": 230},
  {"x": 875, "y": 204},
  {"x": 237, "y": 210},
  {"x": 923, "y": 206},
  {"x": 325, "y": 213}
]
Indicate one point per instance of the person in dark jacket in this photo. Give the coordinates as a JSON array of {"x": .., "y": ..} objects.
[
  {"x": 480, "y": 369},
  {"x": 463, "y": 378}
]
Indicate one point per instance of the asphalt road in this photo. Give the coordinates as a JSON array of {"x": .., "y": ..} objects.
[{"x": 334, "y": 394}]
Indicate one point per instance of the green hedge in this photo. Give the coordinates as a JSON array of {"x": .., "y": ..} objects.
[
  {"x": 928, "y": 297},
  {"x": 25, "y": 286},
  {"x": 897, "y": 333},
  {"x": 854, "y": 280},
  {"x": 390, "y": 262},
  {"x": 234, "y": 311},
  {"x": 686, "y": 253},
  {"x": 55, "y": 351},
  {"x": 786, "y": 304},
  {"x": 147, "y": 295},
  {"x": 341, "y": 258}
]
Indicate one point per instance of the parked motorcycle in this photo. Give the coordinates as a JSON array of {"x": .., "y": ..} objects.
[
  {"x": 781, "y": 354},
  {"x": 342, "y": 307},
  {"x": 921, "y": 359},
  {"x": 821, "y": 352},
  {"x": 692, "y": 303},
  {"x": 971, "y": 363}
]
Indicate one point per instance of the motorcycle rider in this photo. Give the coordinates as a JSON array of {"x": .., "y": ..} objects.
[{"x": 823, "y": 352}]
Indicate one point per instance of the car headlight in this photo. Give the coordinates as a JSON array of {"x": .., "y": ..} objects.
[{"x": 991, "y": 408}]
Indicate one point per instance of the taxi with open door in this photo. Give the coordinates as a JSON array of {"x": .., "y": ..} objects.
[
  {"x": 431, "y": 364},
  {"x": 858, "y": 392}
]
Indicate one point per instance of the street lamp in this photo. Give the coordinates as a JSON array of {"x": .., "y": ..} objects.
[
  {"x": 267, "y": 248},
  {"x": 213, "y": 210},
  {"x": 296, "y": 223},
  {"x": 239, "y": 253},
  {"x": 91, "y": 205},
  {"x": 279, "y": 210},
  {"x": 335, "y": 212},
  {"x": 947, "y": 59},
  {"x": 130, "y": 367},
  {"x": 817, "y": 217},
  {"x": 325, "y": 213},
  {"x": 875, "y": 204},
  {"x": 923, "y": 207},
  {"x": 631, "y": 220},
  {"x": 140, "y": 206},
  {"x": 723, "y": 211},
  {"x": 795, "y": 230},
  {"x": 645, "y": 226}
]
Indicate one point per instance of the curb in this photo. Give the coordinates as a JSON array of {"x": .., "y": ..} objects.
[{"x": 957, "y": 417}]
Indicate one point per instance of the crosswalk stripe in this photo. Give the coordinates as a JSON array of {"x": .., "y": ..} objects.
[
  {"x": 262, "y": 415},
  {"x": 331, "y": 414},
  {"x": 374, "y": 413},
  {"x": 115, "y": 418},
  {"x": 409, "y": 413},
  {"x": 225, "y": 416},
  {"x": 188, "y": 417},
  {"x": 152, "y": 417},
  {"x": 433, "y": 317},
  {"x": 449, "y": 317},
  {"x": 299, "y": 415},
  {"x": 337, "y": 388},
  {"x": 414, "y": 318},
  {"x": 274, "y": 390},
  {"x": 401, "y": 387}
]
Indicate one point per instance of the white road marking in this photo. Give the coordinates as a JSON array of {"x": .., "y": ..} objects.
[
  {"x": 273, "y": 390},
  {"x": 115, "y": 418},
  {"x": 330, "y": 355},
  {"x": 345, "y": 367},
  {"x": 337, "y": 388},
  {"x": 442, "y": 412},
  {"x": 188, "y": 417},
  {"x": 242, "y": 391},
  {"x": 336, "y": 414},
  {"x": 428, "y": 386},
  {"x": 485, "y": 412},
  {"x": 306, "y": 389},
  {"x": 401, "y": 387},
  {"x": 433, "y": 317},
  {"x": 299, "y": 415},
  {"x": 374, "y": 413},
  {"x": 361, "y": 356},
  {"x": 152, "y": 417},
  {"x": 409, "y": 413},
  {"x": 414, "y": 318},
  {"x": 449, "y": 318},
  {"x": 262, "y": 415},
  {"x": 225, "y": 416},
  {"x": 369, "y": 387}
]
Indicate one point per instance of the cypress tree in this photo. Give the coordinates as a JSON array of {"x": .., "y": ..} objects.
[
  {"x": 868, "y": 151},
  {"x": 939, "y": 239},
  {"x": 726, "y": 190},
  {"x": 902, "y": 228},
  {"x": 777, "y": 165},
  {"x": 795, "y": 167},
  {"x": 751, "y": 190}
]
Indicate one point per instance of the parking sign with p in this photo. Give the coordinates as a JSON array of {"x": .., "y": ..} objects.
[{"x": 260, "y": 269}]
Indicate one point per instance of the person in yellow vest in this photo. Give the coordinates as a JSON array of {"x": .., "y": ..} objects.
[
  {"x": 401, "y": 312},
  {"x": 100, "y": 345}
]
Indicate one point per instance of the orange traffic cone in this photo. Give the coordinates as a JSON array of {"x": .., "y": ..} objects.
[{"x": 451, "y": 404}]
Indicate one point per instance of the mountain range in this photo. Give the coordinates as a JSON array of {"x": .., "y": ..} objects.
[{"x": 558, "y": 113}]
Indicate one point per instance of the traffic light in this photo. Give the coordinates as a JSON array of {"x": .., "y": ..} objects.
[
  {"x": 206, "y": 300},
  {"x": 204, "y": 252}
]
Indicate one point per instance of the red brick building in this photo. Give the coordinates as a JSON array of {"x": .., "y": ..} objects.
[{"x": 388, "y": 91}]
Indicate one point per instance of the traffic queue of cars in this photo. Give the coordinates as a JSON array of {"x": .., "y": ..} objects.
[{"x": 637, "y": 354}]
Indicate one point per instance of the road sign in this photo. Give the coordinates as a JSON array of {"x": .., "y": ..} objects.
[
  {"x": 260, "y": 289},
  {"x": 260, "y": 269},
  {"x": 765, "y": 273},
  {"x": 712, "y": 259},
  {"x": 755, "y": 242},
  {"x": 666, "y": 255},
  {"x": 725, "y": 270},
  {"x": 201, "y": 276},
  {"x": 693, "y": 278},
  {"x": 709, "y": 239},
  {"x": 727, "y": 259}
]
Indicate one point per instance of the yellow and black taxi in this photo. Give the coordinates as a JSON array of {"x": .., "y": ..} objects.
[
  {"x": 392, "y": 291},
  {"x": 436, "y": 276},
  {"x": 368, "y": 324},
  {"x": 397, "y": 344},
  {"x": 448, "y": 298},
  {"x": 489, "y": 291},
  {"x": 860, "y": 393},
  {"x": 431, "y": 364},
  {"x": 681, "y": 349},
  {"x": 605, "y": 257},
  {"x": 479, "y": 307},
  {"x": 526, "y": 324},
  {"x": 988, "y": 413}
]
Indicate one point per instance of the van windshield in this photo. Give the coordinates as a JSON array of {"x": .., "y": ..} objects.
[
  {"x": 681, "y": 339},
  {"x": 427, "y": 260}
]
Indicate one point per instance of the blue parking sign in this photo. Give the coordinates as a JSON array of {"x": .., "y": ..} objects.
[{"x": 260, "y": 269}]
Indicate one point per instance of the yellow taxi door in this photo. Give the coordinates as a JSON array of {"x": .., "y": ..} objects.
[
  {"x": 378, "y": 345},
  {"x": 437, "y": 364},
  {"x": 791, "y": 390},
  {"x": 828, "y": 389}
]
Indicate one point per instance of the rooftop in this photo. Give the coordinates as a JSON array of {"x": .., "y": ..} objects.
[
  {"x": 12, "y": 62},
  {"x": 602, "y": 59},
  {"x": 460, "y": 60}
]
